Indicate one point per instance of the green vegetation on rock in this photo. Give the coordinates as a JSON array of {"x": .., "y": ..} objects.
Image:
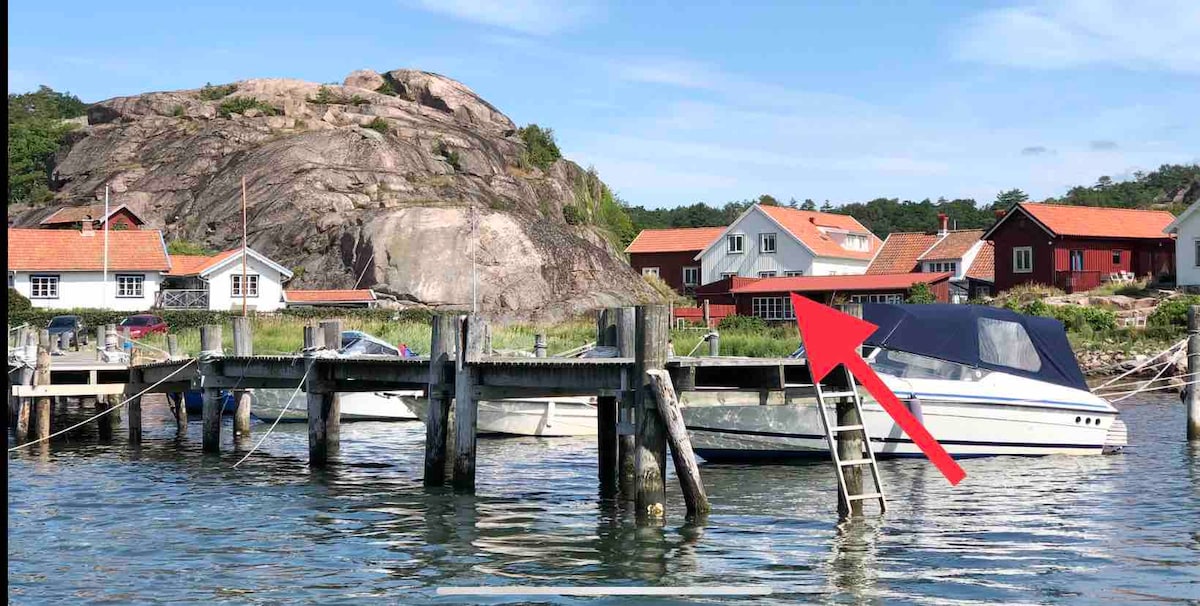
[
  {"x": 211, "y": 93},
  {"x": 36, "y": 131},
  {"x": 540, "y": 149},
  {"x": 188, "y": 247},
  {"x": 241, "y": 105}
]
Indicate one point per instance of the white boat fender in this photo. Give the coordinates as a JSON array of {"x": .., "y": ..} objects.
[
  {"x": 914, "y": 406},
  {"x": 550, "y": 413}
]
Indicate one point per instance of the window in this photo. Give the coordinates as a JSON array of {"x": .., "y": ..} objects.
[
  {"x": 766, "y": 242},
  {"x": 1007, "y": 344},
  {"x": 43, "y": 287},
  {"x": 793, "y": 274},
  {"x": 1076, "y": 260},
  {"x": 736, "y": 243},
  {"x": 772, "y": 308},
  {"x": 691, "y": 276},
  {"x": 1022, "y": 259},
  {"x": 1117, "y": 257},
  {"x": 766, "y": 274},
  {"x": 1197, "y": 259},
  {"x": 650, "y": 271},
  {"x": 728, "y": 274},
  {"x": 982, "y": 291},
  {"x": 912, "y": 366},
  {"x": 252, "y": 284},
  {"x": 889, "y": 298},
  {"x": 853, "y": 242},
  {"x": 942, "y": 266},
  {"x": 130, "y": 286}
]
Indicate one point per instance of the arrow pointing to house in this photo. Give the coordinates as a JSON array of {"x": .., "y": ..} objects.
[{"x": 831, "y": 338}]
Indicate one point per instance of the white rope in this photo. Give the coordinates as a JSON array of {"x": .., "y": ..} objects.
[
  {"x": 1160, "y": 373},
  {"x": 1143, "y": 364},
  {"x": 143, "y": 344},
  {"x": 1141, "y": 382},
  {"x": 698, "y": 344},
  {"x": 118, "y": 406},
  {"x": 278, "y": 418},
  {"x": 1137, "y": 391}
]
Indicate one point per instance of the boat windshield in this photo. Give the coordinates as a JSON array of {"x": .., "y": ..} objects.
[{"x": 912, "y": 366}]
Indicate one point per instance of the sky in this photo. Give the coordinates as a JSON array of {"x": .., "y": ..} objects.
[{"x": 676, "y": 103}]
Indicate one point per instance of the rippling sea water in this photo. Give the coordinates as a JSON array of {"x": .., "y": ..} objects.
[{"x": 161, "y": 522}]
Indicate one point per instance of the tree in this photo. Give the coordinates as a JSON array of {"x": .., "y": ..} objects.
[
  {"x": 808, "y": 204},
  {"x": 1103, "y": 182},
  {"x": 540, "y": 148},
  {"x": 827, "y": 207},
  {"x": 1006, "y": 199},
  {"x": 920, "y": 294},
  {"x": 36, "y": 131},
  {"x": 767, "y": 200}
]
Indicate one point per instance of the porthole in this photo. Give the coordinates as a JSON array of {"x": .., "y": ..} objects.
[
  {"x": 1087, "y": 421},
  {"x": 1078, "y": 419}
]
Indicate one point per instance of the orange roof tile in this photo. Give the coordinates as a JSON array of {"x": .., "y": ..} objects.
[
  {"x": 191, "y": 265},
  {"x": 328, "y": 296},
  {"x": 984, "y": 266},
  {"x": 953, "y": 246},
  {"x": 805, "y": 224},
  {"x": 71, "y": 250},
  {"x": 839, "y": 283},
  {"x": 1099, "y": 222},
  {"x": 681, "y": 239},
  {"x": 901, "y": 252},
  {"x": 76, "y": 214}
]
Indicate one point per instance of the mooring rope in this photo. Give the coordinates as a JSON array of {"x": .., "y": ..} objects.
[
  {"x": 1172, "y": 360},
  {"x": 699, "y": 343},
  {"x": 1118, "y": 387},
  {"x": 113, "y": 408},
  {"x": 1137, "y": 391},
  {"x": 1170, "y": 349},
  {"x": 278, "y": 418}
]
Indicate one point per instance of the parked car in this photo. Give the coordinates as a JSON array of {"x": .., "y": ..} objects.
[
  {"x": 144, "y": 324},
  {"x": 72, "y": 324}
]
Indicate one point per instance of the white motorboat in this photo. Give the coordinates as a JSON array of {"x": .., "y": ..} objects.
[
  {"x": 985, "y": 381},
  {"x": 358, "y": 406},
  {"x": 544, "y": 417}
]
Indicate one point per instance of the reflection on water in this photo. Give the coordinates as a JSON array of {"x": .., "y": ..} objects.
[{"x": 164, "y": 522}]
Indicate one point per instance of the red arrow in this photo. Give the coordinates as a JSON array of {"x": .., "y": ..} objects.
[{"x": 831, "y": 338}]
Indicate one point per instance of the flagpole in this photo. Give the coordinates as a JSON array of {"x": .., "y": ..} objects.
[
  {"x": 105, "y": 221},
  {"x": 245, "y": 285}
]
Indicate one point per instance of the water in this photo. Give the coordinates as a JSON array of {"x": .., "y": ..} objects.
[{"x": 163, "y": 523}]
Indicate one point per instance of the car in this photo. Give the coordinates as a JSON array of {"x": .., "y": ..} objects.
[
  {"x": 141, "y": 325},
  {"x": 71, "y": 324}
]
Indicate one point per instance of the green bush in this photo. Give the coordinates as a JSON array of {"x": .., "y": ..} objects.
[
  {"x": 188, "y": 247},
  {"x": 920, "y": 294},
  {"x": 212, "y": 93},
  {"x": 572, "y": 215},
  {"x": 241, "y": 105},
  {"x": 378, "y": 125},
  {"x": 387, "y": 89},
  {"x": 742, "y": 323},
  {"x": 540, "y": 148},
  {"x": 325, "y": 96},
  {"x": 17, "y": 304},
  {"x": 177, "y": 111},
  {"x": 1173, "y": 312}
]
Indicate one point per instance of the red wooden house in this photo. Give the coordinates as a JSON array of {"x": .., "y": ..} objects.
[
  {"x": 671, "y": 254},
  {"x": 1076, "y": 248},
  {"x": 770, "y": 298},
  {"x": 74, "y": 217}
]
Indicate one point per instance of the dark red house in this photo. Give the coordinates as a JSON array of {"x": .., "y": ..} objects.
[
  {"x": 671, "y": 254},
  {"x": 770, "y": 298},
  {"x": 73, "y": 217},
  {"x": 1077, "y": 248}
]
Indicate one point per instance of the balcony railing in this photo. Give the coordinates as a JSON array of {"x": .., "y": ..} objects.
[
  {"x": 182, "y": 298},
  {"x": 1077, "y": 281}
]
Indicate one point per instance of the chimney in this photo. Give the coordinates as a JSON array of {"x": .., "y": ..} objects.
[
  {"x": 86, "y": 227},
  {"x": 945, "y": 219}
]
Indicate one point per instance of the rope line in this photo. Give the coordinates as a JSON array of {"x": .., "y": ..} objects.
[
  {"x": 1141, "y": 382},
  {"x": 114, "y": 408},
  {"x": 1178, "y": 345},
  {"x": 278, "y": 418},
  {"x": 1173, "y": 359},
  {"x": 1137, "y": 391}
]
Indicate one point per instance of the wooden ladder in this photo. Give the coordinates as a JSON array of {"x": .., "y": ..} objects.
[{"x": 866, "y": 458}]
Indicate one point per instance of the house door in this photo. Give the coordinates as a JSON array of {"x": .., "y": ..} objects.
[{"x": 1077, "y": 260}]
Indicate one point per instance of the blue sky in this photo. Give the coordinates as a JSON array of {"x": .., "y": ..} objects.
[{"x": 684, "y": 102}]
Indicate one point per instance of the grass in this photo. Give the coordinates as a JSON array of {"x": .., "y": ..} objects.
[
  {"x": 378, "y": 125},
  {"x": 1133, "y": 289},
  {"x": 212, "y": 93},
  {"x": 240, "y": 105}
]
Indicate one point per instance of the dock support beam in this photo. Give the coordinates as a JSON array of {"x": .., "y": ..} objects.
[
  {"x": 42, "y": 377},
  {"x": 626, "y": 321},
  {"x": 1193, "y": 366},
  {"x": 210, "y": 345},
  {"x": 180, "y": 407},
  {"x": 25, "y": 405},
  {"x": 243, "y": 345},
  {"x": 650, "y": 459},
  {"x": 441, "y": 351},
  {"x": 606, "y": 413},
  {"x": 324, "y": 417},
  {"x": 466, "y": 407},
  {"x": 135, "y": 406},
  {"x": 850, "y": 443},
  {"x": 681, "y": 446}
]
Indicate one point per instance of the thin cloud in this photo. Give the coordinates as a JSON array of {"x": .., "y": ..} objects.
[
  {"x": 1061, "y": 34},
  {"x": 1103, "y": 145},
  {"x": 1036, "y": 150},
  {"x": 537, "y": 17}
]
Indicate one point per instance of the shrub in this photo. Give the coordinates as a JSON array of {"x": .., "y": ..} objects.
[
  {"x": 540, "y": 148},
  {"x": 17, "y": 303},
  {"x": 240, "y": 105},
  {"x": 188, "y": 247},
  {"x": 177, "y": 111},
  {"x": 357, "y": 100},
  {"x": 387, "y": 89},
  {"x": 920, "y": 294},
  {"x": 325, "y": 96},
  {"x": 572, "y": 215},
  {"x": 212, "y": 93},
  {"x": 742, "y": 323},
  {"x": 379, "y": 125},
  {"x": 449, "y": 155},
  {"x": 1172, "y": 312}
]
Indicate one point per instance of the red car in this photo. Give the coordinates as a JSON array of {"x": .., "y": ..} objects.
[{"x": 144, "y": 324}]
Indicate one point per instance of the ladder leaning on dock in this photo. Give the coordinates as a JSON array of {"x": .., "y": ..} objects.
[{"x": 865, "y": 457}]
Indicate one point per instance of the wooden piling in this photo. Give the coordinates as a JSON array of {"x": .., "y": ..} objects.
[
  {"x": 1193, "y": 367},
  {"x": 210, "y": 345},
  {"x": 64, "y": 341},
  {"x": 714, "y": 344},
  {"x": 650, "y": 458},
  {"x": 681, "y": 446},
  {"x": 134, "y": 405},
  {"x": 331, "y": 330},
  {"x": 243, "y": 345},
  {"x": 850, "y": 443},
  {"x": 41, "y": 376},
  {"x": 606, "y": 414},
  {"x": 626, "y": 322},
  {"x": 101, "y": 333},
  {"x": 466, "y": 406},
  {"x": 441, "y": 348},
  {"x": 707, "y": 314},
  {"x": 539, "y": 345}
]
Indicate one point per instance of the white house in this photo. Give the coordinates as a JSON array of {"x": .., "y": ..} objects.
[
  {"x": 1186, "y": 228},
  {"x": 65, "y": 268},
  {"x": 215, "y": 282},
  {"x": 960, "y": 252},
  {"x": 770, "y": 241}
]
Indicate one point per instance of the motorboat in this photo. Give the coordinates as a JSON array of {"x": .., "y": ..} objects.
[
  {"x": 543, "y": 417},
  {"x": 985, "y": 381}
]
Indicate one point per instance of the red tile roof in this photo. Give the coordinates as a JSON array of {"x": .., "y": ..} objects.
[
  {"x": 71, "y": 250},
  {"x": 839, "y": 283},
  {"x": 1097, "y": 222},
  {"x": 191, "y": 265},
  {"x": 953, "y": 246},
  {"x": 76, "y": 214},
  {"x": 682, "y": 239},
  {"x": 901, "y": 252},
  {"x": 805, "y": 224},
  {"x": 984, "y": 266},
  {"x": 328, "y": 296}
]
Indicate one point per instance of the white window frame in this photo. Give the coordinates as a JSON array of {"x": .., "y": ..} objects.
[
  {"x": 741, "y": 244},
  {"x": 772, "y": 308},
  {"x": 768, "y": 274},
  {"x": 49, "y": 286},
  {"x": 235, "y": 281},
  {"x": 941, "y": 266},
  {"x": 650, "y": 271},
  {"x": 877, "y": 298},
  {"x": 695, "y": 271},
  {"x": 793, "y": 274},
  {"x": 131, "y": 286},
  {"x": 764, "y": 239},
  {"x": 1017, "y": 254}
]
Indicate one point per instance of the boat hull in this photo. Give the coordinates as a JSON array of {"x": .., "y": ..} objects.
[
  {"x": 543, "y": 417},
  {"x": 267, "y": 404}
]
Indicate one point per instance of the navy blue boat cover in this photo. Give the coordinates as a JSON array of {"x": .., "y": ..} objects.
[{"x": 954, "y": 333}]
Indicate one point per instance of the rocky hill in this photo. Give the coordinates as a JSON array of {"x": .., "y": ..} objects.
[{"x": 379, "y": 178}]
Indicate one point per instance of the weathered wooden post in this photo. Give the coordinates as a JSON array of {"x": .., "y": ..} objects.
[
  {"x": 173, "y": 351},
  {"x": 850, "y": 443},
  {"x": 323, "y": 414},
  {"x": 100, "y": 345},
  {"x": 64, "y": 342},
  {"x": 681, "y": 446},
  {"x": 626, "y": 413},
  {"x": 539, "y": 345},
  {"x": 25, "y": 404},
  {"x": 606, "y": 413},
  {"x": 42, "y": 377},
  {"x": 111, "y": 341},
  {"x": 707, "y": 314},
  {"x": 650, "y": 459},
  {"x": 180, "y": 407},
  {"x": 331, "y": 331},
  {"x": 213, "y": 403},
  {"x": 1193, "y": 367},
  {"x": 441, "y": 348},
  {"x": 135, "y": 405},
  {"x": 714, "y": 344},
  {"x": 466, "y": 406},
  {"x": 243, "y": 345}
]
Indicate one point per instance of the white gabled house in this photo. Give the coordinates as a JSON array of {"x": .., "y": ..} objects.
[
  {"x": 774, "y": 241},
  {"x": 215, "y": 282},
  {"x": 1186, "y": 229}
]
